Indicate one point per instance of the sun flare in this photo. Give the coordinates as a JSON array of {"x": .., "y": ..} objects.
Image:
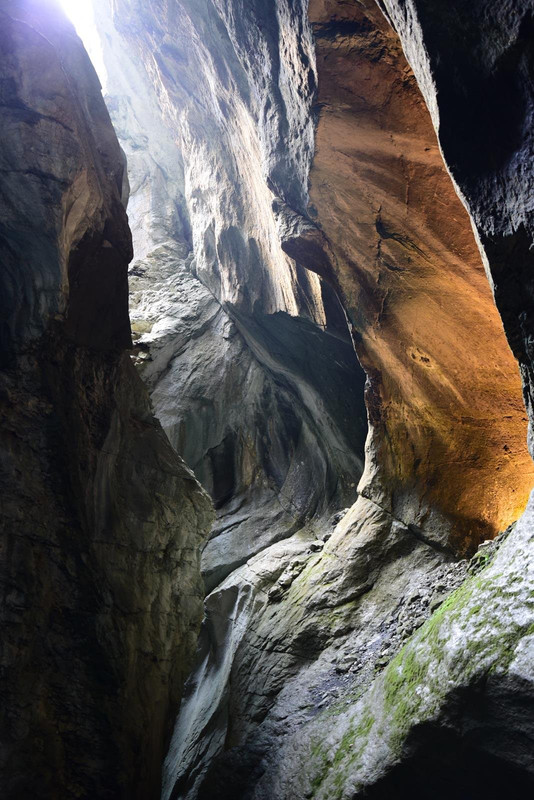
[{"x": 81, "y": 14}]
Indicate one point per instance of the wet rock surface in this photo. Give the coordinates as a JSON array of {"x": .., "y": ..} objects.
[
  {"x": 346, "y": 649},
  {"x": 452, "y": 707},
  {"x": 301, "y": 641},
  {"x": 473, "y": 66},
  {"x": 400, "y": 246}
]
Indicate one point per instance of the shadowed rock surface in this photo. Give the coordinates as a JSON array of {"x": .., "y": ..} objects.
[{"x": 102, "y": 522}]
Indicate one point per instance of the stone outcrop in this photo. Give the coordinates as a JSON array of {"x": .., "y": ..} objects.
[
  {"x": 474, "y": 68},
  {"x": 102, "y": 522},
  {"x": 306, "y": 626},
  {"x": 451, "y": 715}
]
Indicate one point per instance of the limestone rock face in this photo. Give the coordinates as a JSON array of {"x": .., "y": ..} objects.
[
  {"x": 452, "y": 712},
  {"x": 58, "y": 200},
  {"x": 302, "y": 625},
  {"x": 247, "y": 356},
  {"x": 451, "y": 715},
  {"x": 308, "y": 625},
  {"x": 286, "y": 178},
  {"x": 102, "y": 522}
]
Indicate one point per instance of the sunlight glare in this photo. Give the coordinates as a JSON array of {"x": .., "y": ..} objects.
[{"x": 81, "y": 14}]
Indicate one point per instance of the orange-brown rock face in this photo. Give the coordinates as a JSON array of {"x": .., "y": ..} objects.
[{"x": 445, "y": 405}]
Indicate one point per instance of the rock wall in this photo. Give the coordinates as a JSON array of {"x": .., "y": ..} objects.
[
  {"x": 451, "y": 715},
  {"x": 102, "y": 522},
  {"x": 448, "y": 449},
  {"x": 220, "y": 108},
  {"x": 248, "y": 357},
  {"x": 305, "y": 627},
  {"x": 474, "y": 67}
]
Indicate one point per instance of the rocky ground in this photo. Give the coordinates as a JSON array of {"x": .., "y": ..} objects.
[{"x": 298, "y": 644}]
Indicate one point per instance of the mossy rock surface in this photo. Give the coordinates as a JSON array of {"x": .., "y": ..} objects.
[{"x": 481, "y": 636}]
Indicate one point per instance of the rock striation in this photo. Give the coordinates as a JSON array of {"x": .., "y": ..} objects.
[
  {"x": 448, "y": 447},
  {"x": 479, "y": 92},
  {"x": 102, "y": 522}
]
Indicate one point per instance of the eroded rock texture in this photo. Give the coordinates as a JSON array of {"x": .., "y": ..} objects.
[
  {"x": 474, "y": 66},
  {"x": 248, "y": 356},
  {"x": 306, "y": 626},
  {"x": 213, "y": 103},
  {"x": 324, "y": 669},
  {"x": 452, "y": 713},
  {"x": 444, "y": 401},
  {"x": 102, "y": 522}
]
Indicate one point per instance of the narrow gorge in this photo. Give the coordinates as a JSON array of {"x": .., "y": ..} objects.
[{"x": 266, "y": 375}]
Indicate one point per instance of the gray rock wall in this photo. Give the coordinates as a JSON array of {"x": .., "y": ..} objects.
[
  {"x": 310, "y": 680},
  {"x": 101, "y": 521},
  {"x": 296, "y": 636},
  {"x": 451, "y": 715},
  {"x": 248, "y": 358}
]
